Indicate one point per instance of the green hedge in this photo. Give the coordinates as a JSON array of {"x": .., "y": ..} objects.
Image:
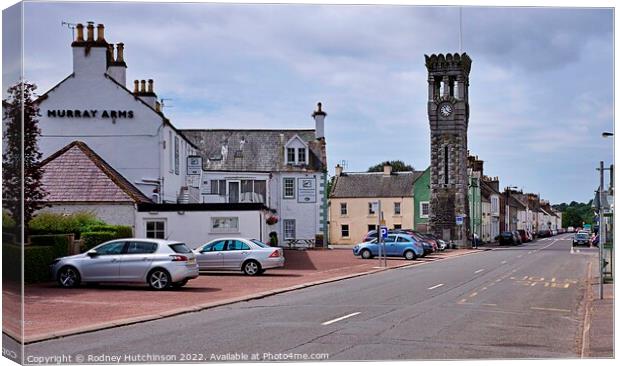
[
  {"x": 60, "y": 243},
  {"x": 36, "y": 262},
  {"x": 120, "y": 230},
  {"x": 93, "y": 238},
  {"x": 11, "y": 262},
  {"x": 55, "y": 223}
]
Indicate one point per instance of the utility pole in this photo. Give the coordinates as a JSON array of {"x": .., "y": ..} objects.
[{"x": 601, "y": 226}]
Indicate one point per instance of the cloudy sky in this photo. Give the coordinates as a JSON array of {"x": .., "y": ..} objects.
[{"x": 541, "y": 87}]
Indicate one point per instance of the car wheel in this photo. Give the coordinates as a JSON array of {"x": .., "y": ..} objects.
[
  {"x": 410, "y": 255},
  {"x": 251, "y": 268},
  {"x": 68, "y": 277},
  {"x": 366, "y": 254},
  {"x": 159, "y": 279},
  {"x": 180, "y": 284}
]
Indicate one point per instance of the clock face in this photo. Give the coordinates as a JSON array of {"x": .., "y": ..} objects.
[{"x": 445, "y": 109}]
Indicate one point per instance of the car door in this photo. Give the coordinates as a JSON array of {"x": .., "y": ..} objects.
[
  {"x": 104, "y": 265},
  {"x": 401, "y": 244},
  {"x": 235, "y": 254},
  {"x": 136, "y": 260},
  {"x": 390, "y": 245},
  {"x": 211, "y": 256}
]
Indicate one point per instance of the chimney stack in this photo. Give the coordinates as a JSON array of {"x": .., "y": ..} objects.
[
  {"x": 136, "y": 87},
  {"x": 319, "y": 121},
  {"x": 142, "y": 86},
  {"x": 119, "y": 52},
  {"x": 338, "y": 170},
  {"x": 100, "y": 33},
  {"x": 80, "y": 32},
  {"x": 110, "y": 54},
  {"x": 387, "y": 169},
  {"x": 90, "y": 28},
  {"x": 150, "y": 87}
]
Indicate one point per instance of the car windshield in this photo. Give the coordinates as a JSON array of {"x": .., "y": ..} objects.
[
  {"x": 180, "y": 248},
  {"x": 260, "y": 243},
  {"x": 582, "y": 236}
]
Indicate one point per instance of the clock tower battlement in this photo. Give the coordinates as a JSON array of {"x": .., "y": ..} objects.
[{"x": 448, "y": 114}]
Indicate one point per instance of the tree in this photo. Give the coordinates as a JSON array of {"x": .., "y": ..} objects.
[
  {"x": 576, "y": 213},
  {"x": 397, "y": 166},
  {"x": 21, "y": 166}
]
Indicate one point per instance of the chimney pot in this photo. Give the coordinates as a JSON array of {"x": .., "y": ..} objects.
[
  {"x": 150, "y": 87},
  {"x": 338, "y": 170},
  {"x": 110, "y": 53},
  {"x": 119, "y": 52},
  {"x": 90, "y": 32},
  {"x": 158, "y": 106},
  {"x": 80, "y": 32},
  {"x": 136, "y": 87},
  {"x": 142, "y": 86},
  {"x": 100, "y": 37}
]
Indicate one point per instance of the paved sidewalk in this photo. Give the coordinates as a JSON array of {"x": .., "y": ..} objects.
[
  {"x": 52, "y": 312},
  {"x": 601, "y": 334}
]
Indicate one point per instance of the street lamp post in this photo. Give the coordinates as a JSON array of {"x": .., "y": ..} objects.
[{"x": 601, "y": 218}]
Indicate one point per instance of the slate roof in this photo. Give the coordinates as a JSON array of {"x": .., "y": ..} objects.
[
  {"x": 260, "y": 151},
  {"x": 76, "y": 173},
  {"x": 512, "y": 201},
  {"x": 487, "y": 190},
  {"x": 362, "y": 185}
]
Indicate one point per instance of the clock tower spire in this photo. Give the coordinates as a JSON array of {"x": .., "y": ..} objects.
[{"x": 448, "y": 116}]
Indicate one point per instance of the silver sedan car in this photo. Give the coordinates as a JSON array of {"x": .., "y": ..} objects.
[
  {"x": 159, "y": 263},
  {"x": 251, "y": 256}
]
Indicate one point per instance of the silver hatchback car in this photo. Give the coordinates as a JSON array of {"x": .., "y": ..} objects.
[
  {"x": 251, "y": 256},
  {"x": 159, "y": 263}
]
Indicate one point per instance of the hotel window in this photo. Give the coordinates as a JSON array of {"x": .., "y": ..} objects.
[
  {"x": 290, "y": 155},
  {"x": 424, "y": 209},
  {"x": 398, "y": 226},
  {"x": 371, "y": 209},
  {"x": 218, "y": 187},
  {"x": 289, "y": 187},
  {"x": 372, "y": 227},
  {"x": 176, "y": 155},
  {"x": 224, "y": 224},
  {"x": 396, "y": 208},
  {"x": 171, "y": 153},
  {"x": 156, "y": 229},
  {"x": 289, "y": 229},
  {"x": 301, "y": 156},
  {"x": 343, "y": 209},
  {"x": 344, "y": 231}
]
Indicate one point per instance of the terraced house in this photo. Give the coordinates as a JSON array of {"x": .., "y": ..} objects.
[{"x": 352, "y": 212}]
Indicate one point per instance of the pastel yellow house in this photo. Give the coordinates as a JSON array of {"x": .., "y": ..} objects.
[{"x": 351, "y": 210}]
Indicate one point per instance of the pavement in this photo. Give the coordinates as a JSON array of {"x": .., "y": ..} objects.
[
  {"x": 601, "y": 323},
  {"x": 524, "y": 302},
  {"x": 52, "y": 312}
]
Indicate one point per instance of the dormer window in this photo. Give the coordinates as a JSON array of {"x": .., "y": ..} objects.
[{"x": 296, "y": 152}]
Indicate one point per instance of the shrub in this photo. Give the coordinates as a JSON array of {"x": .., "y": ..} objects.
[
  {"x": 7, "y": 221},
  {"x": 56, "y": 223},
  {"x": 93, "y": 238},
  {"x": 60, "y": 243},
  {"x": 120, "y": 230},
  {"x": 36, "y": 263},
  {"x": 11, "y": 262}
]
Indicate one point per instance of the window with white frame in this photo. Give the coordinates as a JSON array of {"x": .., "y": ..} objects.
[
  {"x": 218, "y": 187},
  {"x": 344, "y": 230},
  {"x": 343, "y": 209},
  {"x": 289, "y": 229},
  {"x": 301, "y": 156},
  {"x": 290, "y": 155},
  {"x": 424, "y": 209},
  {"x": 156, "y": 229},
  {"x": 224, "y": 224},
  {"x": 396, "y": 208},
  {"x": 289, "y": 188}
]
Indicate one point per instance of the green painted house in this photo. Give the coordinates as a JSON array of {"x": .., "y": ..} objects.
[{"x": 421, "y": 201}]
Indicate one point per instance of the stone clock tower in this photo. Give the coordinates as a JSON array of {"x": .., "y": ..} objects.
[{"x": 448, "y": 116}]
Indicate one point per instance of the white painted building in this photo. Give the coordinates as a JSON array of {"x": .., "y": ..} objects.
[{"x": 126, "y": 128}]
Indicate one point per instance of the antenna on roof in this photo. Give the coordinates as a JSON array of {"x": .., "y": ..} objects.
[
  {"x": 163, "y": 104},
  {"x": 460, "y": 29},
  {"x": 70, "y": 26},
  {"x": 344, "y": 164}
]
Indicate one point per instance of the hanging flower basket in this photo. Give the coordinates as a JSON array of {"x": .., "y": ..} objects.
[{"x": 272, "y": 220}]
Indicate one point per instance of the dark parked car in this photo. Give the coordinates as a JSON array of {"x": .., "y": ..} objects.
[
  {"x": 517, "y": 237},
  {"x": 545, "y": 233},
  {"x": 508, "y": 238}
]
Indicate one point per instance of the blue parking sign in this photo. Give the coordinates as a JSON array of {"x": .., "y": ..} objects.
[
  {"x": 459, "y": 220},
  {"x": 384, "y": 232}
]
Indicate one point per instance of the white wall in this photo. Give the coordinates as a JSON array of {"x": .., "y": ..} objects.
[{"x": 194, "y": 227}]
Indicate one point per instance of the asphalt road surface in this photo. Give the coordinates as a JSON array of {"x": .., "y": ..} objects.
[{"x": 511, "y": 302}]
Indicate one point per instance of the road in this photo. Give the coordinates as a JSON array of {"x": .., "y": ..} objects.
[{"x": 514, "y": 302}]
